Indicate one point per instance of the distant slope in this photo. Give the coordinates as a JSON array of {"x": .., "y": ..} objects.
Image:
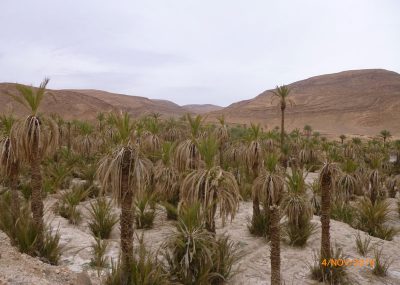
[
  {"x": 201, "y": 108},
  {"x": 350, "y": 102},
  {"x": 85, "y": 104}
]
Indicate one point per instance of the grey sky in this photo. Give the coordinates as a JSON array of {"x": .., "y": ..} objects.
[{"x": 187, "y": 51}]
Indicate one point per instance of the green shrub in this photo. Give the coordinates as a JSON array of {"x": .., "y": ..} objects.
[
  {"x": 259, "y": 224},
  {"x": 67, "y": 207},
  {"x": 144, "y": 212},
  {"x": 24, "y": 233},
  {"x": 102, "y": 220},
  {"x": 98, "y": 249},
  {"x": 193, "y": 255},
  {"x": 373, "y": 219},
  {"x": 381, "y": 264},
  {"x": 298, "y": 236},
  {"x": 343, "y": 212},
  {"x": 145, "y": 270},
  {"x": 327, "y": 271},
  {"x": 362, "y": 244}
]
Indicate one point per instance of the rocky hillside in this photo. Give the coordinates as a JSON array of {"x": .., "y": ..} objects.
[{"x": 351, "y": 102}]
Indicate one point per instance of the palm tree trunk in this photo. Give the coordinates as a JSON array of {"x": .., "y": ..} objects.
[
  {"x": 256, "y": 200},
  {"x": 69, "y": 137},
  {"x": 326, "y": 182},
  {"x": 36, "y": 198},
  {"x": 282, "y": 125},
  {"x": 275, "y": 246},
  {"x": 126, "y": 217},
  {"x": 14, "y": 191}
]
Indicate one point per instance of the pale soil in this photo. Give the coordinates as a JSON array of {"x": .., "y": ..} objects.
[{"x": 254, "y": 266}]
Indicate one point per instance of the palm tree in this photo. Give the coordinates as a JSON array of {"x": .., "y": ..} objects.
[
  {"x": 282, "y": 93},
  {"x": 187, "y": 155},
  {"x": 254, "y": 155},
  {"x": 269, "y": 187},
  {"x": 9, "y": 161},
  {"x": 211, "y": 186},
  {"x": 166, "y": 177},
  {"x": 222, "y": 135},
  {"x": 297, "y": 208},
  {"x": 396, "y": 145},
  {"x": 125, "y": 172},
  {"x": 342, "y": 138},
  {"x": 307, "y": 130},
  {"x": 35, "y": 136},
  {"x": 326, "y": 179},
  {"x": 385, "y": 134}
]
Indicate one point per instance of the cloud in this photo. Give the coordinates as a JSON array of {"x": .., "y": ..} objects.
[{"x": 193, "y": 51}]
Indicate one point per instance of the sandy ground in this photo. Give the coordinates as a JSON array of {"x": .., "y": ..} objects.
[{"x": 253, "y": 267}]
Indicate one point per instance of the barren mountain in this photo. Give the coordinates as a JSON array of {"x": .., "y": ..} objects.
[
  {"x": 202, "y": 108},
  {"x": 85, "y": 104},
  {"x": 351, "y": 102}
]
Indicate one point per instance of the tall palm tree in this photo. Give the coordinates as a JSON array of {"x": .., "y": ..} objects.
[
  {"x": 282, "y": 93},
  {"x": 385, "y": 134},
  {"x": 9, "y": 161},
  {"x": 125, "y": 173},
  {"x": 211, "y": 186},
  {"x": 269, "y": 187},
  {"x": 35, "y": 136},
  {"x": 327, "y": 182}
]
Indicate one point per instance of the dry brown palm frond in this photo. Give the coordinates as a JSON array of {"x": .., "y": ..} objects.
[
  {"x": 212, "y": 187},
  {"x": 8, "y": 155},
  {"x": 347, "y": 185},
  {"x": 34, "y": 130},
  {"x": 110, "y": 171},
  {"x": 187, "y": 155},
  {"x": 167, "y": 181},
  {"x": 269, "y": 187},
  {"x": 254, "y": 154},
  {"x": 151, "y": 142}
]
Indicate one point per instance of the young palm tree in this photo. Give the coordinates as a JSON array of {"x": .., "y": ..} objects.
[
  {"x": 187, "y": 156},
  {"x": 166, "y": 176},
  {"x": 342, "y": 138},
  {"x": 385, "y": 134},
  {"x": 327, "y": 182},
  {"x": 9, "y": 161},
  {"x": 211, "y": 186},
  {"x": 297, "y": 208},
  {"x": 282, "y": 93},
  {"x": 307, "y": 130},
  {"x": 35, "y": 136},
  {"x": 348, "y": 180},
  {"x": 125, "y": 173},
  {"x": 269, "y": 187}
]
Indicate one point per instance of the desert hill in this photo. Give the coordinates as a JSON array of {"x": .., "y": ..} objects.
[
  {"x": 202, "y": 108},
  {"x": 351, "y": 102},
  {"x": 85, "y": 104},
  {"x": 361, "y": 102}
]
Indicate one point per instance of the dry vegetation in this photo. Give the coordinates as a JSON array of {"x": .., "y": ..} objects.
[{"x": 187, "y": 187}]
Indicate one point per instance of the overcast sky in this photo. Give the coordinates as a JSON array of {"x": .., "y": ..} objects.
[{"x": 193, "y": 51}]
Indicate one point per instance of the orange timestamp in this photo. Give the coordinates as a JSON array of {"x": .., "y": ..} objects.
[{"x": 339, "y": 262}]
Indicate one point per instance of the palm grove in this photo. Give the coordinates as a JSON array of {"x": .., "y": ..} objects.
[{"x": 199, "y": 173}]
